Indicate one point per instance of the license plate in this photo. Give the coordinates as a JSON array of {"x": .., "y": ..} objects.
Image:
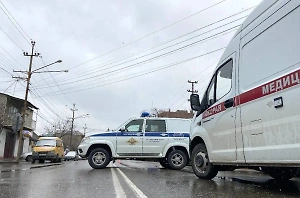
[{"x": 42, "y": 154}]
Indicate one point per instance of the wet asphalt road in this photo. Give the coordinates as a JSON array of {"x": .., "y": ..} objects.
[{"x": 138, "y": 179}]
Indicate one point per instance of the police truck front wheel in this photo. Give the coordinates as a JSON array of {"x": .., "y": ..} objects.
[
  {"x": 163, "y": 162},
  {"x": 99, "y": 158},
  {"x": 201, "y": 164},
  {"x": 177, "y": 160}
]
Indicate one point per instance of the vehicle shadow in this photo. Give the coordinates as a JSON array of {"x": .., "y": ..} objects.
[{"x": 283, "y": 186}]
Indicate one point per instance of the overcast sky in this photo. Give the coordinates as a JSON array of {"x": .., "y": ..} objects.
[{"x": 107, "y": 46}]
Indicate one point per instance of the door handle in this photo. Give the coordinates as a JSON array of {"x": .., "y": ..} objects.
[
  {"x": 229, "y": 103},
  {"x": 208, "y": 120}
]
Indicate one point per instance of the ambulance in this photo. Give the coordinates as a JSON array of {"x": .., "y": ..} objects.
[
  {"x": 165, "y": 140},
  {"x": 249, "y": 115}
]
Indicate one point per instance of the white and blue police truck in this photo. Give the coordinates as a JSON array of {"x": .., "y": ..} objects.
[{"x": 165, "y": 140}]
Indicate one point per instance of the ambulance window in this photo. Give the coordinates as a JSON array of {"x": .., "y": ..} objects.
[
  {"x": 224, "y": 80},
  {"x": 135, "y": 126},
  {"x": 155, "y": 126},
  {"x": 211, "y": 93}
]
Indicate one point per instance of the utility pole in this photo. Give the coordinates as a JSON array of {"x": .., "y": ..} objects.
[
  {"x": 193, "y": 90},
  {"x": 21, "y": 142},
  {"x": 73, "y": 110},
  {"x": 29, "y": 73},
  {"x": 84, "y": 129}
]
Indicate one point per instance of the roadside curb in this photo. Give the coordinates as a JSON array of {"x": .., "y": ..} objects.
[
  {"x": 32, "y": 167},
  {"x": 9, "y": 162},
  {"x": 46, "y": 165}
]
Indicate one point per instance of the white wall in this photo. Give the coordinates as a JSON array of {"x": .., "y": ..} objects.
[
  {"x": 25, "y": 146},
  {"x": 16, "y": 146},
  {"x": 2, "y": 142}
]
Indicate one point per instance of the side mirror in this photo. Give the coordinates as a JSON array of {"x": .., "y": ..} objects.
[
  {"x": 122, "y": 129},
  {"x": 195, "y": 102}
]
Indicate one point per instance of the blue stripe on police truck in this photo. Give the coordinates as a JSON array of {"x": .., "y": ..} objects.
[{"x": 147, "y": 134}]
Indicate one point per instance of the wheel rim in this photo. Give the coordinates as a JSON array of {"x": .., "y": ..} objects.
[
  {"x": 99, "y": 158},
  {"x": 177, "y": 159},
  {"x": 201, "y": 162}
]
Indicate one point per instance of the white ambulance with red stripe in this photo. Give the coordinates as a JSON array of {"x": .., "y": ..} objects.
[{"x": 249, "y": 115}]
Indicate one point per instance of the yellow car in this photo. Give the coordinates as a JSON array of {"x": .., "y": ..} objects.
[{"x": 48, "y": 148}]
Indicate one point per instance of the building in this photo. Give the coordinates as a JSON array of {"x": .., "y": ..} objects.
[
  {"x": 10, "y": 123},
  {"x": 176, "y": 114}
]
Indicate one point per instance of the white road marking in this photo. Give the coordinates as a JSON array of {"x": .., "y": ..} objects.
[
  {"x": 118, "y": 188},
  {"x": 137, "y": 191}
]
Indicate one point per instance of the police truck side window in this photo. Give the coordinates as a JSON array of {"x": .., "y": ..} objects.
[
  {"x": 135, "y": 126},
  {"x": 224, "y": 80},
  {"x": 155, "y": 126}
]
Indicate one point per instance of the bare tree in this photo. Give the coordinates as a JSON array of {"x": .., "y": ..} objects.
[{"x": 60, "y": 128}]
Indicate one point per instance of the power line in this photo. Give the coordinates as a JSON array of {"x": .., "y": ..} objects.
[
  {"x": 44, "y": 119},
  {"x": 177, "y": 100},
  {"x": 9, "y": 86},
  {"x": 46, "y": 104},
  {"x": 174, "y": 96},
  {"x": 14, "y": 23},
  {"x": 11, "y": 56},
  {"x": 151, "y": 33},
  {"x": 88, "y": 72},
  {"x": 145, "y": 61},
  {"x": 158, "y": 69},
  {"x": 18, "y": 28},
  {"x": 147, "y": 49},
  {"x": 11, "y": 39},
  {"x": 55, "y": 82}
]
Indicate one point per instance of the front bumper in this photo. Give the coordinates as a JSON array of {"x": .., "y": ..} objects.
[
  {"x": 44, "y": 156},
  {"x": 82, "y": 150}
]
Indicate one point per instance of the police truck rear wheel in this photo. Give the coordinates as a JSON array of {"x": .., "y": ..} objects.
[
  {"x": 201, "y": 164},
  {"x": 177, "y": 160},
  {"x": 99, "y": 158}
]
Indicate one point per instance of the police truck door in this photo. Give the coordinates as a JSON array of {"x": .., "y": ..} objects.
[
  {"x": 130, "y": 141},
  {"x": 155, "y": 138}
]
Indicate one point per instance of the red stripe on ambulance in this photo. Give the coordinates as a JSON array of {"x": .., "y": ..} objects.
[{"x": 271, "y": 87}]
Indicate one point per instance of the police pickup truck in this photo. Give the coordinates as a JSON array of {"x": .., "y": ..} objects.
[{"x": 162, "y": 139}]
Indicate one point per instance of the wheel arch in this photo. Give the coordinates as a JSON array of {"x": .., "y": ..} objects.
[
  {"x": 195, "y": 141},
  {"x": 99, "y": 145},
  {"x": 178, "y": 147}
]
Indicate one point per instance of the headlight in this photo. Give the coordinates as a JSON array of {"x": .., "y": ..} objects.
[
  {"x": 51, "y": 152},
  {"x": 85, "y": 138}
]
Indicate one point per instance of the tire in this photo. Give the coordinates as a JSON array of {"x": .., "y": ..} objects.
[
  {"x": 297, "y": 173},
  {"x": 283, "y": 173},
  {"x": 99, "y": 158},
  {"x": 177, "y": 160},
  {"x": 29, "y": 158},
  {"x": 201, "y": 165},
  {"x": 163, "y": 162},
  {"x": 59, "y": 160},
  {"x": 41, "y": 161},
  {"x": 33, "y": 161}
]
